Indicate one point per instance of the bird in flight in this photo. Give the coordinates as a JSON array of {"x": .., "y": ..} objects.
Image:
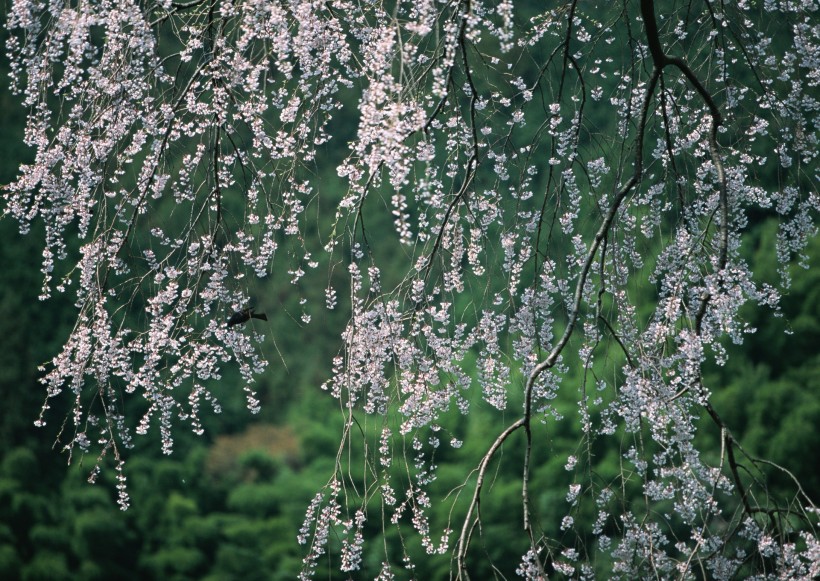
[{"x": 245, "y": 315}]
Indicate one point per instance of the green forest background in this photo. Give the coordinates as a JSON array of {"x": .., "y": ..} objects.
[{"x": 228, "y": 505}]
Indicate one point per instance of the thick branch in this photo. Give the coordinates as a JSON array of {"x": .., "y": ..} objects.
[{"x": 463, "y": 539}]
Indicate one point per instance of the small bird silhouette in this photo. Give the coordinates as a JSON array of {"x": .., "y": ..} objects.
[{"x": 245, "y": 315}]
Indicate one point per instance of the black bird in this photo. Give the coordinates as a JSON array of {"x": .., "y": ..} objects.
[{"x": 245, "y": 315}]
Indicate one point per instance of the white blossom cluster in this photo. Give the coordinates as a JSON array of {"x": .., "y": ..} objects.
[{"x": 569, "y": 188}]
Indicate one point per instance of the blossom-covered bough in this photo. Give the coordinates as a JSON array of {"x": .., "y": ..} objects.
[{"x": 570, "y": 184}]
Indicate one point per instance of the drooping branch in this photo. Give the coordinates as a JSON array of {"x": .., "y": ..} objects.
[{"x": 481, "y": 471}]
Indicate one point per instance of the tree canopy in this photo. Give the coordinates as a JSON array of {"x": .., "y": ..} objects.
[{"x": 535, "y": 215}]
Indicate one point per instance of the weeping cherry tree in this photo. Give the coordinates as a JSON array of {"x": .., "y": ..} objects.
[{"x": 570, "y": 185}]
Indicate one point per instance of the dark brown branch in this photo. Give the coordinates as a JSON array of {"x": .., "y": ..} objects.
[
  {"x": 600, "y": 235},
  {"x": 732, "y": 462},
  {"x": 466, "y": 529},
  {"x": 662, "y": 60},
  {"x": 653, "y": 38},
  {"x": 617, "y": 340}
]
